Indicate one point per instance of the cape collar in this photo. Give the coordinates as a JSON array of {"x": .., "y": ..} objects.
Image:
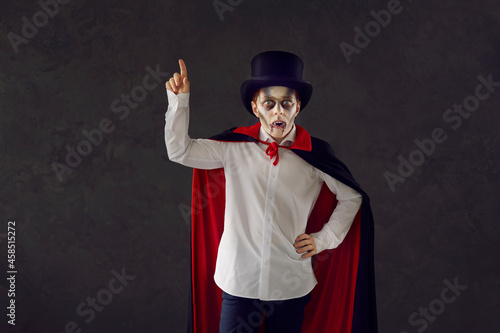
[{"x": 302, "y": 141}]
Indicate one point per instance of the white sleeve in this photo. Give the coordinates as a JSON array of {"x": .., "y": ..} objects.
[
  {"x": 195, "y": 153},
  {"x": 335, "y": 230}
]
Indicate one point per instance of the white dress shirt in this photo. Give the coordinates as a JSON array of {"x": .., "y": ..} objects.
[{"x": 267, "y": 207}]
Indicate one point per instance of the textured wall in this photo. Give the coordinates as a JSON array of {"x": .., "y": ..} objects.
[{"x": 118, "y": 211}]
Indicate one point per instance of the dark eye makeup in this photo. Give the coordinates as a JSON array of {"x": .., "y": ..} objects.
[{"x": 270, "y": 104}]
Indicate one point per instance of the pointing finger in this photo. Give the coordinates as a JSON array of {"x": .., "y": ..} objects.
[{"x": 182, "y": 65}]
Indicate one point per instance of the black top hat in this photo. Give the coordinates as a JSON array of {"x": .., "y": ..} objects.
[{"x": 276, "y": 68}]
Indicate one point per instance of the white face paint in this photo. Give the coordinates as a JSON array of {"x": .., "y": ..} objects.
[{"x": 276, "y": 107}]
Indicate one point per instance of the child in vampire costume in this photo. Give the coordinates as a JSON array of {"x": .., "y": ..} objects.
[{"x": 282, "y": 234}]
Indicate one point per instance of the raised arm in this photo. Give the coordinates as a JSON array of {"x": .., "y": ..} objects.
[{"x": 199, "y": 153}]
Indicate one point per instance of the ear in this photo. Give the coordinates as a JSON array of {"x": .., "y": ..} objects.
[
  {"x": 255, "y": 110},
  {"x": 298, "y": 108}
]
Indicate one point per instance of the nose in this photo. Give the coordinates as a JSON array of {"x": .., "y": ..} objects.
[{"x": 278, "y": 109}]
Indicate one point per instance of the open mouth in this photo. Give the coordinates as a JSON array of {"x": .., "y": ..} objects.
[{"x": 279, "y": 125}]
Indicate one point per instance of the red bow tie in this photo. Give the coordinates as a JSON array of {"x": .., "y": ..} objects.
[{"x": 272, "y": 150}]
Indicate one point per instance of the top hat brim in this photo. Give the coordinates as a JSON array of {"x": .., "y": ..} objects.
[{"x": 248, "y": 88}]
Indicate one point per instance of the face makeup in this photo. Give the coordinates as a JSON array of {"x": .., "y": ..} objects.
[{"x": 276, "y": 107}]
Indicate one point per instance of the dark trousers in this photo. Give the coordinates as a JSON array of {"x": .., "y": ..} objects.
[{"x": 244, "y": 315}]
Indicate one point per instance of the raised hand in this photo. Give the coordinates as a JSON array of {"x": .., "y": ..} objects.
[{"x": 179, "y": 83}]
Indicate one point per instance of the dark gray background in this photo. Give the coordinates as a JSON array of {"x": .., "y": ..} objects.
[{"x": 121, "y": 207}]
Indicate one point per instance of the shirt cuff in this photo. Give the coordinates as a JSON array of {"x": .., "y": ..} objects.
[
  {"x": 321, "y": 241},
  {"x": 181, "y": 100}
]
